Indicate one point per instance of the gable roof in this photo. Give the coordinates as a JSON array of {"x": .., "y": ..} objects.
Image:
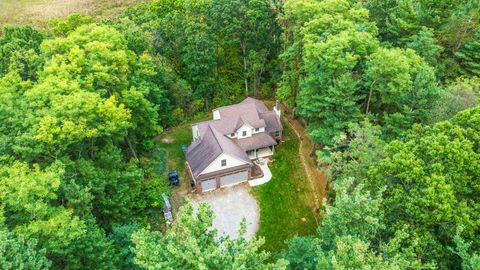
[
  {"x": 250, "y": 111},
  {"x": 213, "y": 142},
  {"x": 202, "y": 152}
]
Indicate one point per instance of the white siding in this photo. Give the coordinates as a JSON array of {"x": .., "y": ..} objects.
[
  {"x": 243, "y": 128},
  {"x": 259, "y": 130},
  {"x": 195, "y": 132},
  {"x": 216, "y": 165},
  {"x": 216, "y": 115}
]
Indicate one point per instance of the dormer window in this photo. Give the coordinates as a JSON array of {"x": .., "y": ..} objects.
[
  {"x": 224, "y": 162},
  {"x": 244, "y": 133}
]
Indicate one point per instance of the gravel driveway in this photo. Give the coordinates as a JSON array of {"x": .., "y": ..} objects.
[{"x": 230, "y": 205}]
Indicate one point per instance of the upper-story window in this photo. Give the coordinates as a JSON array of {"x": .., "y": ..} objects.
[
  {"x": 257, "y": 129},
  {"x": 232, "y": 134},
  {"x": 244, "y": 133},
  {"x": 224, "y": 162}
]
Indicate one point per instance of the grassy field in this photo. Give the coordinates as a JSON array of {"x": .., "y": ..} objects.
[
  {"x": 38, "y": 12},
  {"x": 286, "y": 202}
]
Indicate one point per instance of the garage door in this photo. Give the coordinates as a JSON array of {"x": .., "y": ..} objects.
[
  {"x": 232, "y": 179},
  {"x": 208, "y": 185}
]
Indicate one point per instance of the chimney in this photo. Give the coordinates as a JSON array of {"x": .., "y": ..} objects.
[{"x": 277, "y": 108}]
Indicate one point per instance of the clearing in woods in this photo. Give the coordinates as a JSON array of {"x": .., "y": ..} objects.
[{"x": 38, "y": 12}]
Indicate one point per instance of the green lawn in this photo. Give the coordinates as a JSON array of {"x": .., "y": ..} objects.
[
  {"x": 180, "y": 135},
  {"x": 286, "y": 202}
]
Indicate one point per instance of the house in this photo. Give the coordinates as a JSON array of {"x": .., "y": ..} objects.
[{"x": 222, "y": 150}]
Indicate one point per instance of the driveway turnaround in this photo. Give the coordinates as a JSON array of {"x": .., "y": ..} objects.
[{"x": 230, "y": 205}]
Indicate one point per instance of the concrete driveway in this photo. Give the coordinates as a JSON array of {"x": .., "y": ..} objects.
[{"x": 230, "y": 205}]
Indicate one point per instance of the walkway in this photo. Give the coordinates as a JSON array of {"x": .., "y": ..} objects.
[{"x": 267, "y": 175}]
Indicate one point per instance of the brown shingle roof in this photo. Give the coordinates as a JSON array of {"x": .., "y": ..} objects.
[
  {"x": 256, "y": 141},
  {"x": 213, "y": 142},
  {"x": 272, "y": 121},
  {"x": 204, "y": 151}
]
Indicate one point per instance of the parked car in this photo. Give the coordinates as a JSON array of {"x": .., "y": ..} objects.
[{"x": 173, "y": 178}]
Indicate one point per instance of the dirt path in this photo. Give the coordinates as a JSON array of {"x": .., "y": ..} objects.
[{"x": 317, "y": 179}]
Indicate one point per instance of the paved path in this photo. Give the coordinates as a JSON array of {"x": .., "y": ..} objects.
[
  {"x": 267, "y": 175},
  {"x": 230, "y": 205}
]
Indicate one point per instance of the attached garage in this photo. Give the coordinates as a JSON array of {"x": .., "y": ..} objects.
[
  {"x": 209, "y": 185},
  {"x": 233, "y": 179}
]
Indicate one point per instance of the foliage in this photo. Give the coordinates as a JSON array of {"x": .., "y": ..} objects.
[
  {"x": 191, "y": 244},
  {"x": 430, "y": 188},
  {"x": 458, "y": 96},
  {"x": 347, "y": 236},
  {"x": 354, "y": 152},
  {"x": 220, "y": 50},
  {"x": 121, "y": 236},
  {"x": 16, "y": 252},
  {"x": 19, "y": 49},
  {"x": 345, "y": 72}
]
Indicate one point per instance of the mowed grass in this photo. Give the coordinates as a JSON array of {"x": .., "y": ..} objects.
[
  {"x": 287, "y": 201},
  {"x": 171, "y": 142},
  {"x": 38, "y": 12}
]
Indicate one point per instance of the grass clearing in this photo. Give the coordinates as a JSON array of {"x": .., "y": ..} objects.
[
  {"x": 38, "y": 12},
  {"x": 171, "y": 142},
  {"x": 287, "y": 202}
]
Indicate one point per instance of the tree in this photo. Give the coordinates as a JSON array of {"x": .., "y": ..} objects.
[
  {"x": 469, "y": 57},
  {"x": 425, "y": 45},
  {"x": 16, "y": 252},
  {"x": 28, "y": 197},
  {"x": 19, "y": 51},
  {"x": 456, "y": 97},
  {"x": 191, "y": 243},
  {"x": 121, "y": 236},
  {"x": 249, "y": 27},
  {"x": 430, "y": 189},
  {"x": 353, "y": 152},
  {"x": 401, "y": 87},
  {"x": 348, "y": 236}
]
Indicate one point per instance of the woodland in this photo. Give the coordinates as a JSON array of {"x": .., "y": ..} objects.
[{"x": 388, "y": 90}]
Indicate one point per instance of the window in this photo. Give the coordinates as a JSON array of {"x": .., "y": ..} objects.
[
  {"x": 232, "y": 134},
  {"x": 224, "y": 162},
  {"x": 244, "y": 133},
  {"x": 257, "y": 129}
]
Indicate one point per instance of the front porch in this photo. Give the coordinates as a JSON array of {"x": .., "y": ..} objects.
[{"x": 261, "y": 152}]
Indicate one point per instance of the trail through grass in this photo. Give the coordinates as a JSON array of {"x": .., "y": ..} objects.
[{"x": 287, "y": 202}]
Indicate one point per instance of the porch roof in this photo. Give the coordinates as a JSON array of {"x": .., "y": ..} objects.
[{"x": 256, "y": 141}]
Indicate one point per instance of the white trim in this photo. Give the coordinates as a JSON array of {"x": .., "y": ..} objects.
[{"x": 221, "y": 156}]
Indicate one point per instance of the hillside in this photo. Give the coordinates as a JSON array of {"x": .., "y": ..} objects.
[{"x": 38, "y": 12}]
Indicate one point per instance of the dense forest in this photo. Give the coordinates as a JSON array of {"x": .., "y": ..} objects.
[{"x": 388, "y": 90}]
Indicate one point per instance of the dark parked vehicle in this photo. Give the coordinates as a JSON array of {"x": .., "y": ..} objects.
[{"x": 173, "y": 178}]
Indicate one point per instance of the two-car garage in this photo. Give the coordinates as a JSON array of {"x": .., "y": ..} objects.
[{"x": 224, "y": 181}]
